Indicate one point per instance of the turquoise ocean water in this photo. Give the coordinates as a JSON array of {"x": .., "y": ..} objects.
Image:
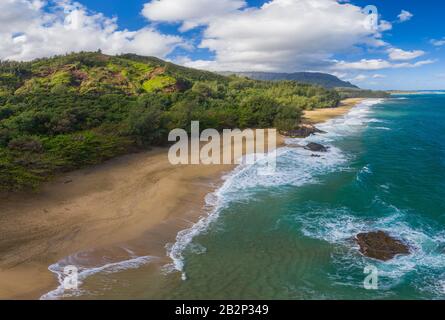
[{"x": 288, "y": 235}]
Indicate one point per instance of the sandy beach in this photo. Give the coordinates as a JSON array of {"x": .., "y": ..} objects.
[
  {"x": 105, "y": 206},
  {"x": 91, "y": 208},
  {"x": 321, "y": 115},
  {"x": 98, "y": 207}
]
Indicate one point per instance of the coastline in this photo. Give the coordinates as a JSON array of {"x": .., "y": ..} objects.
[
  {"x": 322, "y": 115},
  {"x": 138, "y": 196},
  {"x": 99, "y": 207},
  {"x": 125, "y": 202}
]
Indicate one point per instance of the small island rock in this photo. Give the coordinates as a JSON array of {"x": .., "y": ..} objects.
[
  {"x": 380, "y": 245},
  {"x": 315, "y": 147}
]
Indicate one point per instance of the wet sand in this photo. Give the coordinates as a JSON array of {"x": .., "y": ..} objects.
[{"x": 139, "y": 198}]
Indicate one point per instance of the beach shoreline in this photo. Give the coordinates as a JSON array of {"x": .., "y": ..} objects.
[
  {"x": 94, "y": 208},
  {"x": 124, "y": 202},
  {"x": 322, "y": 115},
  {"x": 139, "y": 198}
]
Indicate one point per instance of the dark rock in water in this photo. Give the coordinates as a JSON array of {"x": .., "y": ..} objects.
[
  {"x": 315, "y": 147},
  {"x": 315, "y": 156},
  {"x": 303, "y": 131},
  {"x": 379, "y": 245}
]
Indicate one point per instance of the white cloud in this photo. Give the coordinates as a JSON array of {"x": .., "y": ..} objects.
[
  {"x": 364, "y": 64},
  {"x": 405, "y": 16},
  {"x": 399, "y": 54},
  {"x": 28, "y": 31},
  {"x": 340, "y": 75},
  {"x": 281, "y": 35},
  {"x": 191, "y": 13},
  {"x": 367, "y": 78},
  {"x": 438, "y": 43},
  {"x": 417, "y": 64},
  {"x": 378, "y": 64},
  {"x": 360, "y": 78},
  {"x": 384, "y": 26}
]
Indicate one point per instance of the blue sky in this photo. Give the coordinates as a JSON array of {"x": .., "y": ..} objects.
[{"x": 404, "y": 51}]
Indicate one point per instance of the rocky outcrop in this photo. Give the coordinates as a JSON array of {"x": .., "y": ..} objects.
[
  {"x": 304, "y": 131},
  {"x": 315, "y": 147},
  {"x": 381, "y": 246}
]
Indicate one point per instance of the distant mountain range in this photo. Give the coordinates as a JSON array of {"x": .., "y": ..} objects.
[{"x": 317, "y": 78}]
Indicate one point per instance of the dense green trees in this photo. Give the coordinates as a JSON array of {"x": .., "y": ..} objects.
[
  {"x": 66, "y": 112},
  {"x": 346, "y": 93},
  {"x": 144, "y": 124}
]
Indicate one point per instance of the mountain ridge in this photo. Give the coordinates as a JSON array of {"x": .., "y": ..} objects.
[{"x": 315, "y": 78}]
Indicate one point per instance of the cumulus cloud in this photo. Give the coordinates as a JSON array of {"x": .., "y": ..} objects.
[
  {"x": 405, "y": 16},
  {"x": 367, "y": 78},
  {"x": 363, "y": 64},
  {"x": 281, "y": 35},
  {"x": 378, "y": 64},
  {"x": 28, "y": 31},
  {"x": 191, "y": 13},
  {"x": 399, "y": 54}
]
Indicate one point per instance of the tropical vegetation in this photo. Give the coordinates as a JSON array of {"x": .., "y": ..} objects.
[{"x": 66, "y": 112}]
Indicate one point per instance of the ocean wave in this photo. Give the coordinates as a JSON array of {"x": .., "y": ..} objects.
[
  {"x": 296, "y": 166},
  {"x": 363, "y": 174},
  {"x": 85, "y": 272}
]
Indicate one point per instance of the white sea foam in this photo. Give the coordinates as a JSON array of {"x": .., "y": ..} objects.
[
  {"x": 85, "y": 272},
  {"x": 295, "y": 167},
  {"x": 339, "y": 226}
]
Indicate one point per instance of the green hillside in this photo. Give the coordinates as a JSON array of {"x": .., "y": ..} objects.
[
  {"x": 361, "y": 93},
  {"x": 66, "y": 112},
  {"x": 315, "y": 78}
]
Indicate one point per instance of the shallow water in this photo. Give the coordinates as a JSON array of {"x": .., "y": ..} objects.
[{"x": 288, "y": 235}]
